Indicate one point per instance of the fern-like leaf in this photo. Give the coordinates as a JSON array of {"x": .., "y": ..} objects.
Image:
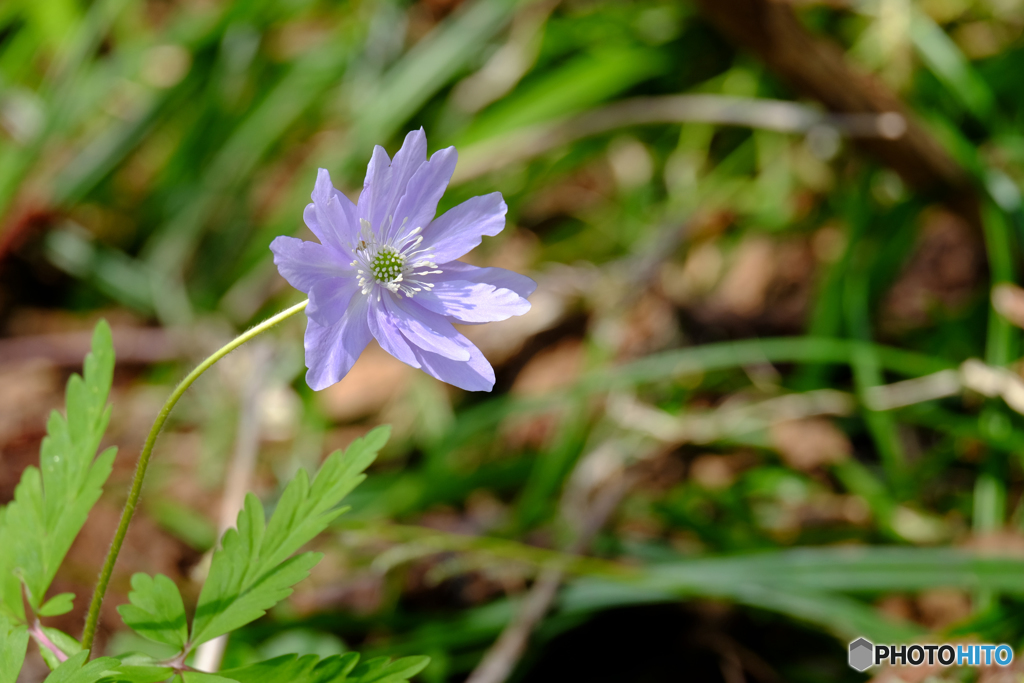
[
  {"x": 78, "y": 669},
  {"x": 156, "y": 610},
  {"x": 335, "y": 669},
  {"x": 252, "y": 572},
  {"x": 51, "y": 503}
]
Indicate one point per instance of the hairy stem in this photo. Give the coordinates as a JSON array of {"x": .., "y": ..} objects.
[{"x": 92, "y": 620}]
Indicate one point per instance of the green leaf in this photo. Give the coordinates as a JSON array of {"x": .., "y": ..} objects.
[
  {"x": 383, "y": 670},
  {"x": 13, "y": 645},
  {"x": 334, "y": 669},
  {"x": 61, "y": 603},
  {"x": 67, "y": 644},
  {"x": 283, "y": 668},
  {"x": 77, "y": 670},
  {"x": 429, "y": 66},
  {"x": 808, "y": 583},
  {"x": 157, "y": 611},
  {"x": 51, "y": 503},
  {"x": 142, "y": 674},
  {"x": 582, "y": 82},
  {"x": 251, "y": 572},
  {"x": 942, "y": 56},
  {"x": 199, "y": 677}
]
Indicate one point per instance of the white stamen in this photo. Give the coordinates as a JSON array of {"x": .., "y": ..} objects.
[{"x": 393, "y": 262}]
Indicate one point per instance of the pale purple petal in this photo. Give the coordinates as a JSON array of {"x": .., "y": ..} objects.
[
  {"x": 472, "y": 302},
  {"x": 498, "y": 277},
  {"x": 407, "y": 161},
  {"x": 461, "y": 228},
  {"x": 303, "y": 264},
  {"x": 329, "y": 299},
  {"x": 429, "y": 331},
  {"x": 332, "y": 216},
  {"x": 386, "y": 332},
  {"x": 332, "y": 351},
  {"x": 381, "y": 205},
  {"x": 418, "y": 205},
  {"x": 376, "y": 187},
  {"x": 476, "y": 374}
]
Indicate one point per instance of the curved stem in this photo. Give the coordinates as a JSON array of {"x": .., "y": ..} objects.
[{"x": 93, "y": 617}]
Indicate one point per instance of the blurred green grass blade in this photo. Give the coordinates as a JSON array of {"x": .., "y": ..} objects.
[
  {"x": 961, "y": 427},
  {"x": 73, "y": 56},
  {"x": 1003, "y": 338},
  {"x": 861, "y": 481},
  {"x": 552, "y": 465},
  {"x": 847, "y": 570},
  {"x": 949, "y": 65},
  {"x": 669, "y": 365},
  {"x": 66, "y": 82},
  {"x": 866, "y": 365},
  {"x": 498, "y": 550},
  {"x": 54, "y": 20},
  {"x": 989, "y": 503},
  {"x": 582, "y": 82},
  {"x": 111, "y": 272},
  {"x": 952, "y": 138},
  {"x": 724, "y": 355},
  {"x": 1002, "y": 345},
  {"x": 400, "y": 494},
  {"x": 808, "y": 583},
  {"x": 867, "y": 373},
  {"x": 105, "y": 152},
  {"x": 172, "y": 246},
  {"x": 840, "y": 615},
  {"x": 428, "y": 67},
  {"x": 183, "y": 522}
]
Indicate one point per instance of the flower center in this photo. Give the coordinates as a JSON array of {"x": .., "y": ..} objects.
[
  {"x": 394, "y": 265},
  {"x": 387, "y": 265}
]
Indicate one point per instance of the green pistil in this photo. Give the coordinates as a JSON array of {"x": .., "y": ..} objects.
[{"x": 387, "y": 266}]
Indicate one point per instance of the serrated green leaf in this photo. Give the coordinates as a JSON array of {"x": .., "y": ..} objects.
[
  {"x": 156, "y": 610},
  {"x": 238, "y": 610},
  {"x": 140, "y": 674},
  {"x": 199, "y": 677},
  {"x": 283, "y": 668},
  {"x": 51, "y": 503},
  {"x": 13, "y": 645},
  {"x": 382, "y": 670},
  {"x": 251, "y": 572},
  {"x": 334, "y": 669},
  {"x": 62, "y": 603},
  {"x": 77, "y": 670}
]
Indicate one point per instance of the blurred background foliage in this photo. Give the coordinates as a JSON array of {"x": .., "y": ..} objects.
[{"x": 733, "y": 433}]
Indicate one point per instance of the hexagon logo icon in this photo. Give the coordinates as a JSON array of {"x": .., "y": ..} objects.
[{"x": 861, "y": 654}]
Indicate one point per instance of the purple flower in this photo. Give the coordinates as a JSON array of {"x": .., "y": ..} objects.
[{"x": 385, "y": 269}]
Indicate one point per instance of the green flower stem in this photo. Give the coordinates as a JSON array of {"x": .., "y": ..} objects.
[{"x": 93, "y": 618}]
